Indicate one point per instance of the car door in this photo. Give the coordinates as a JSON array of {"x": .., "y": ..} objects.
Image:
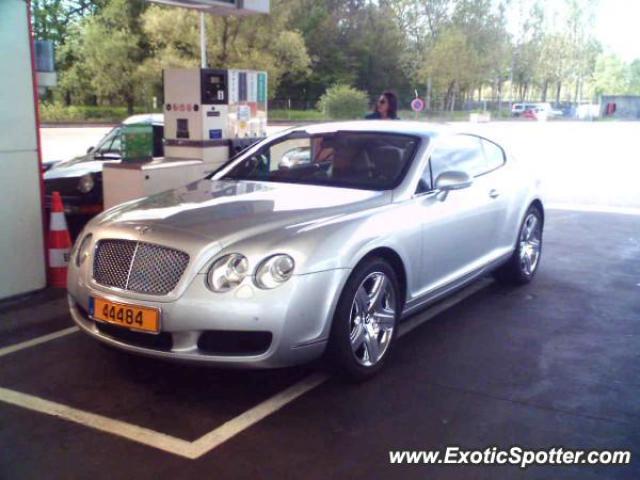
[
  {"x": 501, "y": 189},
  {"x": 457, "y": 226}
]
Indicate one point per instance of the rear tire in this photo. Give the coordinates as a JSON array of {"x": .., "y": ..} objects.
[
  {"x": 523, "y": 264},
  {"x": 365, "y": 323}
]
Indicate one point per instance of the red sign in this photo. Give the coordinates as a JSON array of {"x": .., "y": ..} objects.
[{"x": 417, "y": 104}]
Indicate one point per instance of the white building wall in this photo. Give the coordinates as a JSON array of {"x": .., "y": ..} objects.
[{"x": 22, "y": 265}]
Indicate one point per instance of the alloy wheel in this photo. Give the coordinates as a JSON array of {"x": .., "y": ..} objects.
[
  {"x": 530, "y": 244},
  {"x": 372, "y": 319}
]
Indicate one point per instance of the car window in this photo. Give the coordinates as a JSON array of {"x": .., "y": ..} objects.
[
  {"x": 296, "y": 157},
  {"x": 111, "y": 143},
  {"x": 493, "y": 153},
  {"x": 425, "y": 184},
  {"x": 458, "y": 152},
  {"x": 366, "y": 160},
  {"x": 116, "y": 144}
]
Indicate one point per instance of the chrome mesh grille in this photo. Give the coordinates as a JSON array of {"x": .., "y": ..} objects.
[
  {"x": 112, "y": 261},
  {"x": 138, "y": 266}
]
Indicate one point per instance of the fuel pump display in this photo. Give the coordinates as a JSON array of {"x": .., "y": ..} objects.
[{"x": 214, "y": 87}]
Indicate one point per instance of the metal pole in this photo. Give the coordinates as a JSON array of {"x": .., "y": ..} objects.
[{"x": 203, "y": 41}]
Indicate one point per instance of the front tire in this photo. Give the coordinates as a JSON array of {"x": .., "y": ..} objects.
[
  {"x": 523, "y": 264},
  {"x": 365, "y": 323}
]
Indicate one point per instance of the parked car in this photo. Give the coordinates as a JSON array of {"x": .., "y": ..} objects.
[
  {"x": 47, "y": 164},
  {"x": 548, "y": 110},
  {"x": 531, "y": 114},
  {"x": 261, "y": 266},
  {"x": 518, "y": 109},
  {"x": 538, "y": 111},
  {"x": 79, "y": 180}
]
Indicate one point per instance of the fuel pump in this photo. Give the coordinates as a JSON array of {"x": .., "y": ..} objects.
[{"x": 209, "y": 115}]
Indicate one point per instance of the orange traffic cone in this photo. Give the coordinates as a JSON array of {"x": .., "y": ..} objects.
[{"x": 59, "y": 244}]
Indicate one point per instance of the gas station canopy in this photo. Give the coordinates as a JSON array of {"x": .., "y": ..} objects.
[{"x": 221, "y": 7}]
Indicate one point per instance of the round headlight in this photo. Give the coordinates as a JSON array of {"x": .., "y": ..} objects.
[
  {"x": 274, "y": 271},
  {"x": 86, "y": 183},
  {"x": 83, "y": 250},
  {"x": 227, "y": 272}
]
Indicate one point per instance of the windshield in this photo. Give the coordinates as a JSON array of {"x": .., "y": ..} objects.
[
  {"x": 110, "y": 144},
  {"x": 365, "y": 160}
]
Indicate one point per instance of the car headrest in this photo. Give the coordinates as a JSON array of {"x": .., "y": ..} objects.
[{"x": 387, "y": 161}]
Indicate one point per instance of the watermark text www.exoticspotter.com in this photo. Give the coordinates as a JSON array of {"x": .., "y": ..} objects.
[{"x": 521, "y": 457}]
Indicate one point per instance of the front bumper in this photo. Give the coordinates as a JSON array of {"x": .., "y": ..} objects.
[{"x": 297, "y": 315}]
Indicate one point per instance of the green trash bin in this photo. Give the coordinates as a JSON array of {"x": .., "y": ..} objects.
[{"x": 137, "y": 143}]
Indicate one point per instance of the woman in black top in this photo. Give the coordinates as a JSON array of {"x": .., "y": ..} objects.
[{"x": 386, "y": 108}]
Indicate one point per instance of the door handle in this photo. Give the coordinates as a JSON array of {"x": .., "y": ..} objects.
[{"x": 493, "y": 193}]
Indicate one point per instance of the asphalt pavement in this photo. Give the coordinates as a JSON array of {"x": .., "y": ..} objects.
[{"x": 552, "y": 364}]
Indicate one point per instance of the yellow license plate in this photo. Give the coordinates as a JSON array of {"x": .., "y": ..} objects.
[{"x": 135, "y": 317}]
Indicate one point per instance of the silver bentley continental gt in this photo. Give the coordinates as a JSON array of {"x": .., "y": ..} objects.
[{"x": 269, "y": 263}]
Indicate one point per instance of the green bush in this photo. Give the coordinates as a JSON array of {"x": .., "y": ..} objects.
[
  {"x": 296, "y": 115},
  {"x": 342, "y": 102},
  {"x": 55, "y": 112}
]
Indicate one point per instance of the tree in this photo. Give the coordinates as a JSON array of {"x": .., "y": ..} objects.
[
  {"x": 114, "y": 51},
  {"x": 374, "y": 50},
  {"x": 526, "y": 49},
  {"x": 633, "y": 75},
  {"x": 327, "y": 27},
  {"x": 74, "y": 85},
  {"x": 114, "y": 48},
  {"x": 55, "y": 19},
  {"x": 554, "y": 62},
  {"x": 349, "y": 42},
  {"x": 486, "y": 34},
  {"x": 421, "y": 22},
  {"x": 60, "y": 22},
  {"x": 610, "y": 75},
  {"x": 452, "y": 63},
  {"x": 260, "y": 43}
]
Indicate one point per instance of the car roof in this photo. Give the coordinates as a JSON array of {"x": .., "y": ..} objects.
[
  {"x": 422, "y": 129},
  {"x": 152, "y": 118}
]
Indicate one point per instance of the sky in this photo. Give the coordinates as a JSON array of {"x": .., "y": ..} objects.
[{"x": 617, "y": 25}]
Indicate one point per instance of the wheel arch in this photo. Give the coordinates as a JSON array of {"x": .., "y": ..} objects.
[
  {"x": 538, "y": 204},
  {"x": 396, "y": 262}
]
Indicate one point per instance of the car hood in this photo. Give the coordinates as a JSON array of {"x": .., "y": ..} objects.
[
  {"x": 75, "y": 167},
  {"x": 226, "y": 211}
]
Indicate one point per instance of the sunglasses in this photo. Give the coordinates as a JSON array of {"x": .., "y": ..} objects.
[{"x": 382, "y": 101}]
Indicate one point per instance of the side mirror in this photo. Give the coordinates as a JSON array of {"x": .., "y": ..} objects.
[
  {"x": 90, "y": 149},
  {"x": 453, "y": 180}
]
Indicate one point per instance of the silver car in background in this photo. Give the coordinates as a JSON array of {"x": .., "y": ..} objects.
[{"x": 265, "y": 265}]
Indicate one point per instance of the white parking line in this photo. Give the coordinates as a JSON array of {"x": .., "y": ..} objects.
[
  {"x": 36, "y": 341},
  {"x": 98, "y": 422},
  {"x": 219, "y": 435},
  {"x": 161, "y": 441},
  {"x": 230, "y": 429}
]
